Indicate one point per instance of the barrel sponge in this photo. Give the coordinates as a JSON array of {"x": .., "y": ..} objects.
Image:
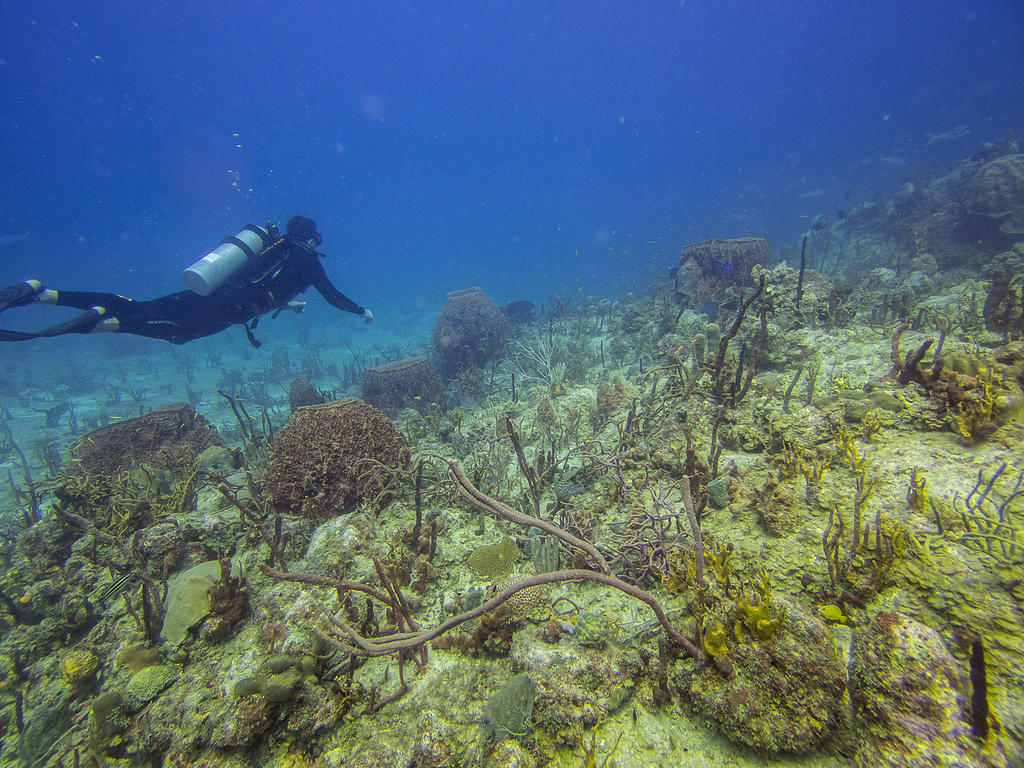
[
  {"x": 708, "y": 268},
  {"x": 170, "y": 437},
  {"x": 470, "y": 330},
  {"x": 408, "y": 383},
  {"x": 333, "y": 457}
]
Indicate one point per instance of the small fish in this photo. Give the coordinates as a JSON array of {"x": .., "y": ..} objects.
[
  {"x": 721, "y": 268},
  {"x": 6, "y": 240},
  {"x": 956, "y": 132},
  {"x": 890, "y": 162},
  {"x": 709, "y": 308},
  {"x": 115, "y": 588}
]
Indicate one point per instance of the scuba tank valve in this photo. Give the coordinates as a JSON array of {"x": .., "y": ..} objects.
[{"x": 208, "y": 273}]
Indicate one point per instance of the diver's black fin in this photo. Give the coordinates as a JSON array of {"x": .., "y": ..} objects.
[
  {"x": 15, "y": 335},
  {"x": 18, "y": 294},
  {"x": 83, "y": 323}
]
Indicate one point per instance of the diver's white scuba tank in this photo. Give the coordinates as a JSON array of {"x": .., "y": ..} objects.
[{"x": 210, "y": 272}]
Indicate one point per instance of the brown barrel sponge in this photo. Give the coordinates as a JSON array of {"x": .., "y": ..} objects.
[
  {"x": 708, "y": 268},
  {"x": 333, "y": 457},
  {"x": 470, "y": 330},
  {"x": 408, "y": 383},
  {"x": 168, "y": 438}
]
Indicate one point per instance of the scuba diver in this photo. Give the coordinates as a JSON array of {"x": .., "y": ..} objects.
[{"x": 257, "y": 270}]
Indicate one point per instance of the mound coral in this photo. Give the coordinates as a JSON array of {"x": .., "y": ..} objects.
[
  {"x": 785, "y": 694},
  {"x": 906, "y": 691},
  {"x": 333, "y": 457},
  {"x": 79, "y": 666}
]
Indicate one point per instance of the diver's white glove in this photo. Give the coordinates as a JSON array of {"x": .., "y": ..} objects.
[
  {"x": 367, "y": 316},
  {"x": 295, "y": 306}
]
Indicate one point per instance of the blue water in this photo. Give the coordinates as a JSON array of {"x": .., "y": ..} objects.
[{"x": 527, "y": 147}]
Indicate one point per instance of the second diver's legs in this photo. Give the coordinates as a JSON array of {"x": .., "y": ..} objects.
[
  {"x": 111, "y": 302},
  {"x": 93, "y": 320},
  {"x": 99, "y": 315},
  {"x": 34, "y": 292},
  {"x": 177, "y": 317}
]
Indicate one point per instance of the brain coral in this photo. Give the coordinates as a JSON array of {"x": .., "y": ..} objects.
[
  {"x": 332, "y": 457},
  {"x": 492, "y": 561}
]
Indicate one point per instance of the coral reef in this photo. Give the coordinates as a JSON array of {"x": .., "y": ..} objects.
[
  {"x": 996, "y": 191},
  {"x": 720, "y": 495}
]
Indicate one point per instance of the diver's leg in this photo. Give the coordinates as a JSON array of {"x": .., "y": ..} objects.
[
  {"x": 102, "y": 311},
  {"x": 96, "y": 318},
  {"x": 34, "y": 292},
  {"x": 114, "y": 303},
  {"x": 178, "y": 317}
]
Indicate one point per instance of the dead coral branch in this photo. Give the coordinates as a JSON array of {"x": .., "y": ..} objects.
[
  {"x": 348, "y": 639},
  {"x": 486, "y": 504}
]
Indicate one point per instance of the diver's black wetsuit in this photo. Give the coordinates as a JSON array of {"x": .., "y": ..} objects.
[{"x": 283, "y": 271}]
